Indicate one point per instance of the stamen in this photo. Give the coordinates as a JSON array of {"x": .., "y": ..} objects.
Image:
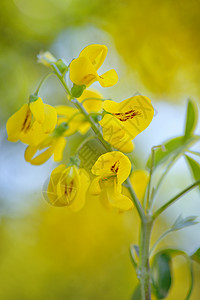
[{"x": 127, "y": 115}]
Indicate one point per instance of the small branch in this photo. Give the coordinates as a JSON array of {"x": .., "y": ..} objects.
[
  {"x": 158, "y": 241},
  {"x": 174, "y": 199}
]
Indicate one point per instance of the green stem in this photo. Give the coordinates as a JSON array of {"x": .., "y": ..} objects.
[
  {"x": 144, "y": 267},
  {"x": 174, "y": 199},
  {"x": 60, "y": 76},
  {"x": 42, "y": 81},
  {"x": 169, "y": 166}
]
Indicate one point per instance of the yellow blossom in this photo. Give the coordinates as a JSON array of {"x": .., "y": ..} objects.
[
  {"x": 139, "y": 180},
  {"x": 53, "y": 145},
  {"x": 125, "y": 120},
  {"x": 83, "y": 70},
  {"x": 68, "y": 187},
  {"x": 32, "y": 123},
  {"x": 111, "y": 169}
]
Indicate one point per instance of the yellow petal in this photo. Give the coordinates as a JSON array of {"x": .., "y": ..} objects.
[
  {"x": 95, "y": 188},
  {"x": 112, "y": 164},
  {"x": 96, "y": 54},
  {"x": 91, "y": 105},
  {"x": 79, "y": 201},
  {"x": 68, "y": 187},
  {"x": 50, "y": 118},
  {"x": 37, "y": 109},
  {"x": 135, "y": 113},
  {"x": 123, "y": 145},
  {"x": 139, "y": 180},
  {"x": 108, "y": 79},
  {"x": 16, "y": 122},
  {"x": 54, "y": 179},
  {"x": 34, "y": 136},
  {"x": 82, "y": 72},
  {"x": 59, "y": 148},
  {"x": 30, "y": 152},
  {"x": 64, "y": 110},
  {"x": 115, "y": 198}
]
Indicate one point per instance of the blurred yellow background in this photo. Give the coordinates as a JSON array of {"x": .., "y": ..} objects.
[{"x": 49, "y": 253}]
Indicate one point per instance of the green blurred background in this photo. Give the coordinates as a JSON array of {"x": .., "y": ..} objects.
[{"x": 49, "y": 253}]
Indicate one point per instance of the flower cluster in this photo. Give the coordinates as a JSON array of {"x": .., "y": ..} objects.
[{"x": 45, "y": 130}]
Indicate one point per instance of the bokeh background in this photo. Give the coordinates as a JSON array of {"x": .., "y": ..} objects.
[{"x": 49, "y": 253}]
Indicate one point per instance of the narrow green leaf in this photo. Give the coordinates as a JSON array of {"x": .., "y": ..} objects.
[
  {"x": 196, "y": 256},
  {"x": 194, "y": 167},
  {"x": 173, "y": 147},
  {"x": 183, "y": 222},
  {"x": 137, "y": 294},
  {"x": 191, "y": 118},
  {"x": 161, "y": 274}
]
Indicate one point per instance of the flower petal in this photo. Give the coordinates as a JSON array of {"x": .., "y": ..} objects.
[
  {"x": 54, "y": 179},
  {"x": 82, "y": 72},
  {"x": 79, "y": 201},
  {"x": 50, "y": 118},
  {"x": 95, "y": 188},
  {"x": 15, "y": 123},
  {"x": 135, "y": 113},
  {"x": 108, "y": 79},
  {"x": 96, "y": 54},
  {"x": 59, "y": 148},
  {"x": 91, "y": 105},
  {"x": 37, "y": 109},
  {"x": 34, "y": 136},
  {"x": 115, "y": 198},
  {"x": 139, "y": 180},
  {"x": 112, "y": 164}
]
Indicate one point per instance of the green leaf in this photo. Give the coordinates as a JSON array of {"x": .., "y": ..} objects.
[
  {"x": 137, "y": 294},
  {"x": 183, "y": 222},
  {"x": 176, "y": 252},
  {"x": 191, "y": 119},
  {"x": 77, "y": 90},
  {"x": 173, "y": 147},
  {"x": 161, "y": 274},
  {"x": 196, "y": 256},
  {"x": 194, "y": 167}
]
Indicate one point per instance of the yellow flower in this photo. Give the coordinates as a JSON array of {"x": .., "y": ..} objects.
[
  {"x": 83, "y": 70},
  {"x": 125, "y": 120},
  {"x": 68, "y": 187},
  {"x": 32, "y": 123},
  {"x": 53, "y": 145},
  {"x": 139, "y": 180},
  {"x": 76, "y": 121},
  {"x": 111, "y": 169}
]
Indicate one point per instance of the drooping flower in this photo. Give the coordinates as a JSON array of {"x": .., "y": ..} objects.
[
  {"x": 68, "y": 187},
  {"x": 83, "y": 70},
  {"x": 54, "y": 145},
  {"x": 125, "y": 120},
  {"x": 75, "y": 120},
  {"x": 32, "y": 123},
  {"x": 139, "y": 180},
  {"x": 111, "y": 169}
]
